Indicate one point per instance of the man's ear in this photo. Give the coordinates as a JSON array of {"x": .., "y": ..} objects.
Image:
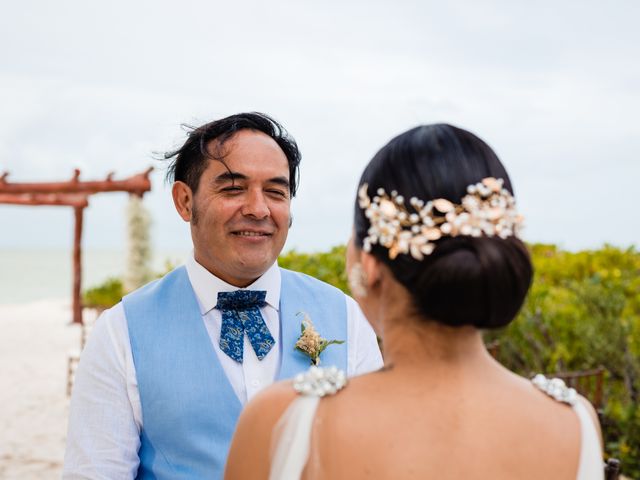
[
  {"x": 372, "y": 270},
  {"x": 183, "y": 200}
]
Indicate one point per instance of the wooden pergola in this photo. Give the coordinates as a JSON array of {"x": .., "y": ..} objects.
[{"x": 71, "y": 193}]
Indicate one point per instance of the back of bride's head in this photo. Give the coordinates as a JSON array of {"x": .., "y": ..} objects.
[{"x": 435, "y": 204}]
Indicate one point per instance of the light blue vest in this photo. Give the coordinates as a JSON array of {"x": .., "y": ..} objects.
[{"x": 189, "y": 409}]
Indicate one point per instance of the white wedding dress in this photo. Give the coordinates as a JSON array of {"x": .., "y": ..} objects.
[{"x": 293, "y": 431}]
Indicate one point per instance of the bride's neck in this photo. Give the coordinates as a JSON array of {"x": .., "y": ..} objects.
[
  {"x": 411, "y": 340},
  {"x": 417, "y": 342}
]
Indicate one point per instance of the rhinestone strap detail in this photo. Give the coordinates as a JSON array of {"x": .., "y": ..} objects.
[
  {"x": 319, "y": 382},
  {"x": 555, "y": 388}
]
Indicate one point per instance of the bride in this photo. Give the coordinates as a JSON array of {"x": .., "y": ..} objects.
[{"x": 433, "y": 260}]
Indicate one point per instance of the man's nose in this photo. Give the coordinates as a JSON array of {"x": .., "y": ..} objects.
[{"x": 256, "y": 205}]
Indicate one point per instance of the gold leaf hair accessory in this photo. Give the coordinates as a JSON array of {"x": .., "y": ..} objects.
[{"x": 487, "y": 209}]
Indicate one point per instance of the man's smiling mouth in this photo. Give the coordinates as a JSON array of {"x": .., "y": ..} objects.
[{"x": 248, "y": 233}]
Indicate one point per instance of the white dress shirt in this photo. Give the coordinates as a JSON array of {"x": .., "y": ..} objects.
[{"x": 105, "y": 417}]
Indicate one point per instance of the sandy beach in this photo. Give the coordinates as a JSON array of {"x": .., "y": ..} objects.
[{"x": 34, "y": 344}]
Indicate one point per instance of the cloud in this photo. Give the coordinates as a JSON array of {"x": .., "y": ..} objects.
[{"x": 553, "y": 87}]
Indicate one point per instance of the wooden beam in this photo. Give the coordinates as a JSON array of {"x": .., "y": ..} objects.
[
  {"x": 137, "y": 184},
  {"x": 44, "y": 199}
]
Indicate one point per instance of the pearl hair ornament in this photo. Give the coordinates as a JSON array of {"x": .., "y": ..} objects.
[{"x": 488, "y": 209}]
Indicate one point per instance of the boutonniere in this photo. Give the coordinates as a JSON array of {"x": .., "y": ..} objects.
[{"x": 311, "y": 343}]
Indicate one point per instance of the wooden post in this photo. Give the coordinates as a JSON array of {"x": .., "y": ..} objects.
[{"x": 77, "y": 266}]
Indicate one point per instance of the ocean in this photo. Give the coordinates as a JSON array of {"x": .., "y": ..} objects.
[{"x": 28, "y": 275}]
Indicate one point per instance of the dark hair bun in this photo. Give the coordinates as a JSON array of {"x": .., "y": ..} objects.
[{"x": 473, "y": 281}]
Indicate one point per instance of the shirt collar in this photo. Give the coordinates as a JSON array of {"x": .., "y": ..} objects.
[{"x": 206, "y": 285}]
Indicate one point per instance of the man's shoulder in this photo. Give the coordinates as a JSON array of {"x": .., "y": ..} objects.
[{"x": 304, "y": 280}]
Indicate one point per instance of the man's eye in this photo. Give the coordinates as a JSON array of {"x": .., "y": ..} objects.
[
  {"x": 232, "y": 189},
  {"x": 280, "y": 193}
]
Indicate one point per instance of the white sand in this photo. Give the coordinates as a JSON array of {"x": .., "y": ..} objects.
[{"x": 35, "y": 339}]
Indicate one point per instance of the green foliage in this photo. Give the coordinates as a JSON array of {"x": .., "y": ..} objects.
[
  {"x": 104, "y": 295},
  {"x": 326, "y": 266}
]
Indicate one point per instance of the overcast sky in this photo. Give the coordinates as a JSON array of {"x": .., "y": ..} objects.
[{"x": 552, "y": 86}]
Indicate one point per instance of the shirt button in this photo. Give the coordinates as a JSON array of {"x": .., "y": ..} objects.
[{"x": 255, "y": 383}]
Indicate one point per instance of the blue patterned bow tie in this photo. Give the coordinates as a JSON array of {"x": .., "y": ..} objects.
[{"x": 240, "y": 315}]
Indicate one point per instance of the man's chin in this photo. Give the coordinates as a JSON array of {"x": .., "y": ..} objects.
[
  {"x": 256, "y": 260},
  {"x": 255, "y": 266}
]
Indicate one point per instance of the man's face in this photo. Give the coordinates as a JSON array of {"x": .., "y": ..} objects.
[{"x": 240, "y": 215}]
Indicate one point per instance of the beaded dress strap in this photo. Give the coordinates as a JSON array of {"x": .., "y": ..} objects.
[
  {"x": 318, "y": 382},
  {"x": 292, "y": 433},
  {"x": 590, "y": 462},
  {"x": 556, "y": 388}
]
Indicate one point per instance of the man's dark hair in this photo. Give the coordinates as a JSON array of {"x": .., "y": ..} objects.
[
  {"x": 466, "y": 280},
  {"x": 191, "y": 159}
]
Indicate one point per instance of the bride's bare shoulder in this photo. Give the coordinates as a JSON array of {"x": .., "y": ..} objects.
[{"x": 253, "y": 432}]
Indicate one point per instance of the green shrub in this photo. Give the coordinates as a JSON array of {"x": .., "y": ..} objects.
[
  {"x": 326, "y": 266},
  {"x": 105, "y": 295}
]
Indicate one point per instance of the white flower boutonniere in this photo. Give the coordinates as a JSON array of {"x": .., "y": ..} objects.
[{"x": 311, "y": 343}]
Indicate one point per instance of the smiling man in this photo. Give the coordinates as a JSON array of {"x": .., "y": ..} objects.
[{"x": 166, "y": 372}]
